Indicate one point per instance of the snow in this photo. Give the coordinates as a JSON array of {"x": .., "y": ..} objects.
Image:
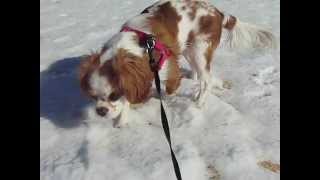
[{"x": 232, "y": 133}]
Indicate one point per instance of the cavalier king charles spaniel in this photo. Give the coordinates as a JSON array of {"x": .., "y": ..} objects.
[{"x": 120, "y": 74}]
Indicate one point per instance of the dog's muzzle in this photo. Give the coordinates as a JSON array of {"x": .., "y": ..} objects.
[{"x": 102, "y": 111}]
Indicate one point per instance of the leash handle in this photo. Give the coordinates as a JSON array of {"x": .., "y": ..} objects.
[{"x": 150, "y": 42}]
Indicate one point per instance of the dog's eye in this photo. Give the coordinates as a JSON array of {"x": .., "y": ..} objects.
[{"x": 114, "y": 96}]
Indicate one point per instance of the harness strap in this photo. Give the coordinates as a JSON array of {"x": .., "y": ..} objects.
[
  {"x": 164, "y": 52},
  {"x": 150, "y": 43}
]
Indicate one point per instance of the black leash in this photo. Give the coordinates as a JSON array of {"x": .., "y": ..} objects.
[{"x": 150, "y": 43}]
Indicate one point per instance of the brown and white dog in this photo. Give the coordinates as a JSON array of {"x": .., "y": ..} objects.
[{"x": 120, "y": 75}]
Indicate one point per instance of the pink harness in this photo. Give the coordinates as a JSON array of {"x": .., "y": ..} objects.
[{"x": 165, "y": 53}]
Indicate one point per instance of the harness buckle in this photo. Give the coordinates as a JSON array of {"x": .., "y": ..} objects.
[{"x": 150, "y": 42}]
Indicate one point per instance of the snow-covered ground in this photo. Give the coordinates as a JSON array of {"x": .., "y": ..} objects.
[{"x": 231, "y": 135}]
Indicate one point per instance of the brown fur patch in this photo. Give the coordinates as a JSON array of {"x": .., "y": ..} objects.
[
  {"x": 164, "y": 26},
  {"x": 206, "y": 24},
  {"x": 174, "y": 77},
  {"x": 211, "y": 26},
  {"x": 87, "y": 67},
  {"x": 135, "y": 76},
  {"x": 191, "y": 38}
]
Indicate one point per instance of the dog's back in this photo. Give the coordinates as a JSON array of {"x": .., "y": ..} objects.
[{"x": 180, "y": 23}]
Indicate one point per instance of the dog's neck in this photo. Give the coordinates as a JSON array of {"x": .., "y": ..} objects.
[{"x": 122, "y": 40}]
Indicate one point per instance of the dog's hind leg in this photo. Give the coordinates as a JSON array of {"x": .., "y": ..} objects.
[
  {"x": 192, "y": 64},
  {"x": 197, "y": 58},
  {"x": 200, "y": 56}
]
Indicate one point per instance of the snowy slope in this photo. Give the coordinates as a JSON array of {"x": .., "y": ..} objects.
[{"x": 231, "y": 134}]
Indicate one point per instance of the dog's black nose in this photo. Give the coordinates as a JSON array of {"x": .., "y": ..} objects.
[{"x": 102, "y": 111}]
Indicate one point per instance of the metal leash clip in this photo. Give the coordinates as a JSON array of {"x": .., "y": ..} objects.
[{"x": 150, "y": 44}]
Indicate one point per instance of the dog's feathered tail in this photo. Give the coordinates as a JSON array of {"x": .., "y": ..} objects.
[{"x": 245, "y": 36}]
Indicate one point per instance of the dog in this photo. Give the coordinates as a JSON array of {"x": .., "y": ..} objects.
[{"x": 119, "y": 75}]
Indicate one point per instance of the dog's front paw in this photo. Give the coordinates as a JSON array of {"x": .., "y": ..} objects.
[{"x": 120, "y": 122}]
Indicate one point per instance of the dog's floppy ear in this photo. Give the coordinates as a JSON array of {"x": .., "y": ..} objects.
[
  {"x": 135, "y": 76},
  {"x": 88, "y": 64}
]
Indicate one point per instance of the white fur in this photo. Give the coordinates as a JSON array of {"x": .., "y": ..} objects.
[
  {"x": 184, "y": 26},
  {"x": 99, "y": 84},
  {"x": 124, "y": 119},
  {"x": 246, "y": 36},
  {"x": 123, "y": 40}
]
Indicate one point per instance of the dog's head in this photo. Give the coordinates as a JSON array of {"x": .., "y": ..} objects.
[{"x": 122, "y": 77}]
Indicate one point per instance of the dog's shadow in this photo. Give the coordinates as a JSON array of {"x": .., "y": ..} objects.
[{"x": 61, "y": 100}]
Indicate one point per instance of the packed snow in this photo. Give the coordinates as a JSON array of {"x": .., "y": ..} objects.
[{"x": 227, "y": 139}]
